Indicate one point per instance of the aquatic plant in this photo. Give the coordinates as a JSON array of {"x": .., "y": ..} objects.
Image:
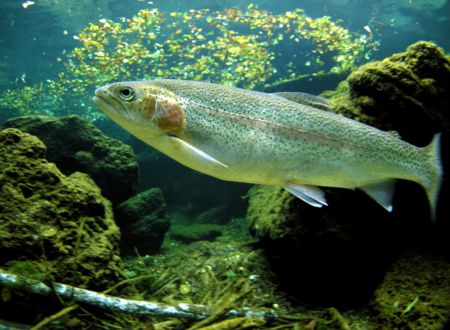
[{"x": 246, "y": 48}]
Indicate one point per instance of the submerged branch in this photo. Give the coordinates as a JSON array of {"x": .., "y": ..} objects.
[{"x": 121, "y": 305}]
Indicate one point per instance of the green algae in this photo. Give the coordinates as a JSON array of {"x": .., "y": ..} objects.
[{"x": 36, "y": 270}]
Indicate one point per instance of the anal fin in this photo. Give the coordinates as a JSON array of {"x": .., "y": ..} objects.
[
  {"x": 382, "y": 192},
  {"x": 312, "y": 195}
]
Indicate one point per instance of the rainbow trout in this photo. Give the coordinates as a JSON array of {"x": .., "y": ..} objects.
[{"x": 283, "y": 139}]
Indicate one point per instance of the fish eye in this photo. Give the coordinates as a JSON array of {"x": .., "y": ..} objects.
[{"x": 126, "y": 93}]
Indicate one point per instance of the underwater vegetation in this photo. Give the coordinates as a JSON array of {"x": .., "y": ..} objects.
[{"x": 248, "y": 48}]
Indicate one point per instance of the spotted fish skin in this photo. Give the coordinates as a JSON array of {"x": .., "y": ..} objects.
[{"x": 248, "y": 136}]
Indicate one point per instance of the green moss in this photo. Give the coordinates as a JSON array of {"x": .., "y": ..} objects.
[
  {"x": 269, "y": 211},
  {"x": 195, "y": 232},
  {"x": 414, "y": 294},
  {"x": 343, "y": 103},
  {"x": 31, "y": 269},
  {"x": 143, "y": 221}
]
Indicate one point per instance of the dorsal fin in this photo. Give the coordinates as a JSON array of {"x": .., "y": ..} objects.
[
  {"x": 395, "y": 134},
  {"x": 306, "y": 99}
]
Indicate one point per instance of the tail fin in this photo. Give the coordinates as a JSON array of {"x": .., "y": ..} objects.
[{"x": 433, "y": 150}]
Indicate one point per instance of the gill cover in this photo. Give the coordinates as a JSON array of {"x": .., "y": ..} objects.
[
  {"x": 163, "y": 110},
  {"x": 168, "y": 114}
]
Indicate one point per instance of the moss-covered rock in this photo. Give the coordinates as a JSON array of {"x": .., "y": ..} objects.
[
  {"x": 415, "y": 293},
  {"x": 52, "y": 225},
  {"x": 406, "y": 92},
  {"x": 215, "y": 215},
  {"x": 336, "y": 249},
  {"x": 143, "y": 221},
  {"x": 195, "y": 232},
  {"x": 271, "y": 212},
  {"x": 76, "y": 145}
]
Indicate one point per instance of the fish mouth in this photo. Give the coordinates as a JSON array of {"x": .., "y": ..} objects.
[
  {"x": 100, "y": 102},
  {"x": 109, "y": 105},
  {"x": 112, "y": 107},
  {"x": 103, "y": 100}
]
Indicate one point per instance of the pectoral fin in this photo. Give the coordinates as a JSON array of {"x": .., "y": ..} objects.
[
  {"x": 312, "y": 195},
  {"x": 195, "y": 152},
  {"x": 382, "y": 192}
]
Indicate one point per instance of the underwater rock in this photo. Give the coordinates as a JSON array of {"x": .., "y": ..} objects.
[
  {"x": 52, "y": 226},
  {"x": 76, "y": 145},
  {"x": 336, "y": 249},
  {"x": 414, "y": 294},
  {"x": 143, "y": 221},
  {"x": 407, "y": 92},
  {"x": 195, "y": 232}
]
